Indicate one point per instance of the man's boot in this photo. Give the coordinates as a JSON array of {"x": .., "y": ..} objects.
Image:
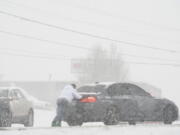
[{"x": 56, "y": 124}]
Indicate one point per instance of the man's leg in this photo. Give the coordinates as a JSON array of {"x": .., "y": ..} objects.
[
  {"x": 62, "y": 106},
  {"x": 61, "y": 110},
  {"x": 55, "y": 122},
  {"x": 57, "y": 119}
]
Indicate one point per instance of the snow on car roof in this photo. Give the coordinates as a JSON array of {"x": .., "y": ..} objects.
[
  {"x": 154, "y": 91},
  {"x": 99, "y": 83},
  {"x": 89, "y": 93},
  {"x": 106, "y": 83},
  {"x": 15, "y": 87},
  {"x": 10, "y": 87},
  {"x": 92, "y": 88}
]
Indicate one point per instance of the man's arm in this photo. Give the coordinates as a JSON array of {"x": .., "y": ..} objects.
[{"x": 76, "y": 95}]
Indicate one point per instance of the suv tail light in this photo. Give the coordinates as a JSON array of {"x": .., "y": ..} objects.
[{"x": 88, "y": 100}]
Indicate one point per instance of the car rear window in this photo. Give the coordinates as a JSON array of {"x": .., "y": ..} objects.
[{"x": 93, "y": 89}]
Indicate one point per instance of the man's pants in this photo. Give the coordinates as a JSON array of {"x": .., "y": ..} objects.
[{"x": 62, "y": 105}]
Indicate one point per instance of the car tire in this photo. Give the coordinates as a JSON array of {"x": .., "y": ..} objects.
[
  {"x": 75, "y": 120},
  {"x": 132, "y": 123},
  {"x": 29, "y": 119},
  {"x": 74, "y": 123},
  {"x": 168, "y": 114},
  {"x": 111, "y": 116},
  {"x": 6, "y": 119}
]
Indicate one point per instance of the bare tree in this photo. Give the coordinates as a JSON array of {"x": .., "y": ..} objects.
[{"x": 102, "y": 66}]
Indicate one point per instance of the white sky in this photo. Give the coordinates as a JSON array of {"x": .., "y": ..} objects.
[{"x": 150, "y": 22}]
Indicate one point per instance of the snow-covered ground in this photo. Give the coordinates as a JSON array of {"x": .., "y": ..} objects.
[
  {"x": 43, "y": 120},
  {"x": 99, "y": 130}
]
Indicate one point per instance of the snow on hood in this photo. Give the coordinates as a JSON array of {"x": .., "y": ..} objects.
[{"x": 37, "y": 103}]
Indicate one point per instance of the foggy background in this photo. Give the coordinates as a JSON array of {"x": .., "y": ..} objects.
[{"x": 41, "y": 41}]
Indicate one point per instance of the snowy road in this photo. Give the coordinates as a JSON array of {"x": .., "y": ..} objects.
[
  {"x": 43, "y": 121},
  {"x": 97, "y": 130}
]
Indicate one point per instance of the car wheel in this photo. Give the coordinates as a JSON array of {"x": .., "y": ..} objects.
[
  {"x": 5, "y": 119},
  {"x": 29, "y": 119},
  {"x": 75, "y": 120},
  {"x": 168, "y": 114},
  {"x": 74, "y": 123},
  {"x": 132, "y": 123},
  {"x": 111, "y": 116}
]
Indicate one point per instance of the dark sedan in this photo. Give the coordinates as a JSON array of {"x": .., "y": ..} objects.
[{"x": 119, "y": 102}]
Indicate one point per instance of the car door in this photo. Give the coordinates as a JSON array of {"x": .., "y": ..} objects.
[
  {"x": 14, "y": 104},
  {"x": 125, "y": 102},
  {"x": 148, "y": 107},
  {"x": 127, "y": 106},
  {"x": 22, "y": 103},
  {"x": 146, "y": 103}
]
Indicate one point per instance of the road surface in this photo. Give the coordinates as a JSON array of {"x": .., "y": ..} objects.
[{"x": 43, "y": 121}]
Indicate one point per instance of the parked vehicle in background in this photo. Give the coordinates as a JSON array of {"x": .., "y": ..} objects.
[
  {"x": 15, "y": 107},
  {"x": 119, "y": 102}
]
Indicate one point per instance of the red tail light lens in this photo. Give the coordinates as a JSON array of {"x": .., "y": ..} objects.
[{"x": 88, "y": 100}]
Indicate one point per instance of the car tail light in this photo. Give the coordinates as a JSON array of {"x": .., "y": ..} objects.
[{"x": 88, "y": 100}]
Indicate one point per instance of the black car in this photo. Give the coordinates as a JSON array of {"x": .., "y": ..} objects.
[
  {"x": 119, "y": 102},
  {"x": 15, "y": 107}
]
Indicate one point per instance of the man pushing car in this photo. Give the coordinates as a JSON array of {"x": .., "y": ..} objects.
[{"x": 68, "y": 94}]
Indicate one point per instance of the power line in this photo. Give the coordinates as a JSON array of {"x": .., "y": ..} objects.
[
  {"x": 146, "y": 57},
  {"x": 79, "y": 47},
  {"x": 55, "y": 58},
  {"x": 33, "y": 53},
  {"x": 90, "y": 35},
  {"x": 33, "y": 56},
  {"x": 108, "y": 14},
  {"x": 43, "y": 40},
  {"x": 87, "y": 22},
  {"x": 158, "y": 64}
]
